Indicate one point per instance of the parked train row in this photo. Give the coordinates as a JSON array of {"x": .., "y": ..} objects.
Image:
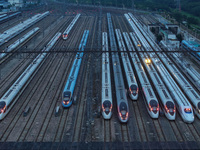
[
  {"x": 67, "y": 97},
  {"x": 66, "y": 32},
  {"x": 122, "y": 103},
  {"x": 185, "y": 66},
  {"x": 185, "y": 85},
  {"x": 170, "y": 75},
  {"x": 19, "y": 41},
  {"x": 154, "y": 70},
  {"x": 175, "y": 91},
  {"x": 8, "y": 100},
  {"x": 12, "y": 32},
  {"x": 6, "y": 17},
  {"x": 130, "y": 77}
]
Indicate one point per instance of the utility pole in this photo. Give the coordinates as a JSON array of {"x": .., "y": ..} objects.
[{"x": 178, "y": 5}]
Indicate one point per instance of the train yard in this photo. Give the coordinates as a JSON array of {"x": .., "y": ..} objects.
[{"x": 92, "y": 85}]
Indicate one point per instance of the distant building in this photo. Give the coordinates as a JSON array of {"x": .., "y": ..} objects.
[
  {"x": 16, "y": 3},
  {"x": 4, "y": 4},
  {"x": 169, "y": 39}
]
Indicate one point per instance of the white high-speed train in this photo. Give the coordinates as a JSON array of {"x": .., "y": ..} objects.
[{"x": 106, "y": 99}]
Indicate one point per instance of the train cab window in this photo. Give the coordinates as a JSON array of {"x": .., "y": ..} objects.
[
  {"x": 107, "y": 106},
  {"x": 2, "y": 107},
  {"x": 188, "y": 110},
  {"x": 170, "y": 107},
  {"x": 133, "y": 89},
  {"x": 67, "y": 96},
  {"x": 153, "y": 106}
]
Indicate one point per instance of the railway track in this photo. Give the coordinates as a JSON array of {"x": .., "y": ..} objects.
[
  {"x": 79, "y": 123},
  {"x": 67, "y": 114},
  {"x": 12, "y": 74},
  {"x": 26, "y": 102},
  {"x": 178, "y": 128}
]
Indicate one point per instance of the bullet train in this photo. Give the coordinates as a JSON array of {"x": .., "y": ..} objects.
[
  {"x": 122, "y": 103},
  {"x": 66, "y": 32},
  {"x": 5, "y": 17},
  {"x": 67, "y": 95},
  {"x": 188, "y": 89},
  {"x": 182, "y": 103},
  {"x": 20, "y": 41},
  {"x": 185, "y": 66},
  {"x": 165, "y": 97},
  {"x": 106, "y": 101},
  {"x": 149, "y": 95},
  {"x": 16, "y": 30},
  {"x": 9, "y": 99},
  {"x": 130, "y": 77}
]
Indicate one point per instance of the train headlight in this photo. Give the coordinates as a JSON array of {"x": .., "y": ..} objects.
[{"x": 147, "y": 61}]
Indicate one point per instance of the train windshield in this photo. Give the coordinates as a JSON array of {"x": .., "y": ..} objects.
[
  {"x": 123, "y": 110},
  {"x": 65, "y": 35},
  {"x": 107, "y": 106},
  {"x": 67, "y": 96},
  {"x": 188, "y": 110},
  {"x": 133, "y": 89},
  {"x": 170, "y": 108},
  {"x": 153, "y": 106},
  {"x": 2, "y": 107}
]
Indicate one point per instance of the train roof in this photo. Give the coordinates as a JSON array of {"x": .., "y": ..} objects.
[{"x": 193, "y": 43}]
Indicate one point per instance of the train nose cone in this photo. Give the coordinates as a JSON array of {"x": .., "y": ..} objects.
[
  {"x": 171, "y": 113},
  {"x": 134, "y": 93},
  {"x": 154, "y": 111},
  {"x": 189, "y": 119},
  {"x": 107, "y": 111}
]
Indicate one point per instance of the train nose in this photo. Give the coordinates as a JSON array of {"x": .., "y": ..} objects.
[
  {"x": 189, "y": 119},
  {"x": 134, "y": 93},
  {"x": 107, "y": 110},
  {"x": 65, "y": 102}
]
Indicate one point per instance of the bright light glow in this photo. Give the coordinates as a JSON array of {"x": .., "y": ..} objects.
[{"x": 147, "y": 61}]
